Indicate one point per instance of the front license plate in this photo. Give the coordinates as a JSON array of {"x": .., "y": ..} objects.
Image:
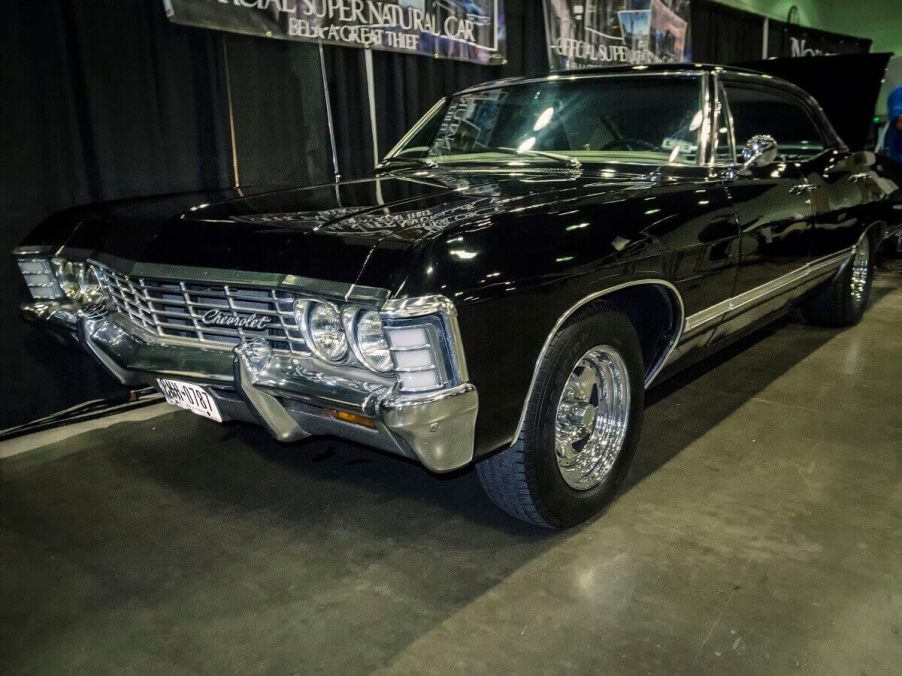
[{"x": 191, "y": 397}]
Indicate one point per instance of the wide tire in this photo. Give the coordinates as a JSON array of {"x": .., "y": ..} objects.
[
  {"x": 843, "y": 301},
  {"x": 527, "y": 480}
]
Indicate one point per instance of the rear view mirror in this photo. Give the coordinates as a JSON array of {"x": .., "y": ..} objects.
[{"x": 759, "y": 151}]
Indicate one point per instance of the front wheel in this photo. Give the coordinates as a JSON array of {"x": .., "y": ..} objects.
[
  {"x": 843, "y": 302},
  {"x": 581, "y": 426}
]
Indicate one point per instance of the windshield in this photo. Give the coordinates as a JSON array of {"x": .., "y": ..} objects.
[{"x": 631, "y": 119}]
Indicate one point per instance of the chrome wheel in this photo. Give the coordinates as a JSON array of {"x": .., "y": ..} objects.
[
  {"x": 591, "y": 418},
  {"x": 861, "y": 271}
]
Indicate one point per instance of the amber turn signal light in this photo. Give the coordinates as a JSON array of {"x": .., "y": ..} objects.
[{"x": 353, "y": 418}]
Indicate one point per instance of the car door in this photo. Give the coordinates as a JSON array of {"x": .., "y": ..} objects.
[
  {"x": 847, "y": 189},
  {"x": 773, "y": 203}
]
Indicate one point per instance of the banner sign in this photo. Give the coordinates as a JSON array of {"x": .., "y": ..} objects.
[
  {"x": 798, "y": 41},
  {"x": 583, "y": 33},
  {"x": 466, "y": 30}
]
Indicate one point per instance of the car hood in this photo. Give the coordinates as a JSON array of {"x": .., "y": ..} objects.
[
  {"x": 848, "y": 96},
  {"x": 323, "y": 232}
]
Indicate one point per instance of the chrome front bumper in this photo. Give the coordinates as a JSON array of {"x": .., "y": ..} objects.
[{"x": 292, "y": 396}]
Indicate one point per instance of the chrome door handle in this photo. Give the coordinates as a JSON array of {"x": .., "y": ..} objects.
[{"x": 802, "y": 188}]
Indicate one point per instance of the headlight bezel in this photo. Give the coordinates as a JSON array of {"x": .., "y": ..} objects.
[
  {"x": 303, "y": 311},
  {"x": 76, "y": 280},
  {"x": 352, "y": 318},
  {"x": 88, "y": 294},
  {"x": 68, "y": 274}
]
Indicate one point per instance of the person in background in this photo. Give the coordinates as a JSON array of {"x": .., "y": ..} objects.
[
  {"x": 894, "y": 117},
  {"x": 893, "y": 168}
]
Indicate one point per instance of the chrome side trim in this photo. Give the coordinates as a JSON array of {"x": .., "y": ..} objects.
[
  {"x": 652, "y": 373},
  {"x": 721, "y": 104},
  {"x": 704, "y": 133},
  {"x": 709, "y": 314},
  {"x": 773, "y": 287}
]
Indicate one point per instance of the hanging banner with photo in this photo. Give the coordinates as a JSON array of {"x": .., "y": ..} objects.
[
  {"x": 465, "y": 30},
  {"x": 584, "y": 33}
]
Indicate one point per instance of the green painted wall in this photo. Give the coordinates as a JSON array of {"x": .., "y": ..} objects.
[
  {"x": 811, "y": 12},
  {"x": 880, "y": 20}
]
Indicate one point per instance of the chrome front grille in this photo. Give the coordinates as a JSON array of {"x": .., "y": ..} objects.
[{"x": 190, "y": 310}]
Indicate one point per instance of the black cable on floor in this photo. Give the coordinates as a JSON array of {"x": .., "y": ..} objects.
[{"x": 89, "y": 410}]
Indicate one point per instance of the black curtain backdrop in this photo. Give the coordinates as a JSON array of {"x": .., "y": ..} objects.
[
  {"x": 278, "y": 107},
  {"x": 428, "y": 80},
  {"x": 104, "y": 99},
  {"x": 721, "y": 34},
  {"x": 100, "y": 99}
]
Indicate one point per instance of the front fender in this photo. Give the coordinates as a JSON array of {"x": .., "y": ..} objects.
[{"x": 505, "y": 336}]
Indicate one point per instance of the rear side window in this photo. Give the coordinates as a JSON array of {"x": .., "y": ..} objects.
[{"x": 758, "y": 111}]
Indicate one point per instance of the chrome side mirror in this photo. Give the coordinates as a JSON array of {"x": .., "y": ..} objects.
[{"x": 759, "y": 151}]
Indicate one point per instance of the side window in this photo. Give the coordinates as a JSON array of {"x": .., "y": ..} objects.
[
  {"x": 724, "y": 153},
  {"x": 758, "y": 111}
]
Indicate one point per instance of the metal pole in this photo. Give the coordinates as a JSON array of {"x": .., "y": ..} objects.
[
  {"x": 764, "y": 38},
  {"x": 225, "y": 59},
  {"x": 371, "y": 94},
  {"x": 322, "y": 65}
]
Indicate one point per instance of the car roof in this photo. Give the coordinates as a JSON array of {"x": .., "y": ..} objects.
[
  {"x": 657, "y": 68},
  {"x": 676, "y": 68}
]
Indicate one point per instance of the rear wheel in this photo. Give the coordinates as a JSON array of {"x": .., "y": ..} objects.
[
  {"x": 581, "y": 426},
  {"x": 843, "y": 302}
]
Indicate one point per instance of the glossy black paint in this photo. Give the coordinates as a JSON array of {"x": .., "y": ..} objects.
[{"x": 518, "y": 245}]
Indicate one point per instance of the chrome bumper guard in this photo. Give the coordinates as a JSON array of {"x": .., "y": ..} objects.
[
  {"x": 291, "y": 396},
  {"x": 53, "y": 313}
]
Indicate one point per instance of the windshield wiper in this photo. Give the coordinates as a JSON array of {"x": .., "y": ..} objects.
[
  {"x": 572, "y": 161},
  {"x": 408, "y": 161}
]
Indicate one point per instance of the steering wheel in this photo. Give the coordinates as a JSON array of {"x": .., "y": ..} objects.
[{"x": 629, "y": 144}]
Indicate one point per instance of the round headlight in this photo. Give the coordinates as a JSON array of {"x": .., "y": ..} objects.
[
  {"x": 372, "y": 348},
  {"x": 91, "y": 291},
  {"x": 322, "y": 328},
  {"x": 67, "y": 274}
]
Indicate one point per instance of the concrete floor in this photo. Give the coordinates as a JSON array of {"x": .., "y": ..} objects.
[{"x": 761, "y": 533}]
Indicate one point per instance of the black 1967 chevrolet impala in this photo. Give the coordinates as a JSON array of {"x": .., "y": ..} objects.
[{"x": 525, "y": 263}]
